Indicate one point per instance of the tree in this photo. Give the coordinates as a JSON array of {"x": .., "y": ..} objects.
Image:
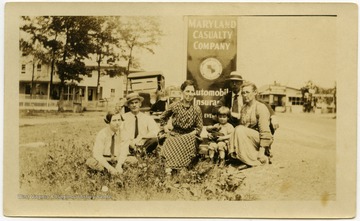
[
  {"x": 77, "y": 46},
  {"x": 137, "y": 33},
  {"x": 308, "y": 92},
  {"x": 104, "y": 43},
  {"x": 61, "y": 40},
  {"x": 32, "y": 37},
  {"x": 310, "y": 89},
  {"x": 66, "y": 41},
  {"x": 53, "y": 43}
]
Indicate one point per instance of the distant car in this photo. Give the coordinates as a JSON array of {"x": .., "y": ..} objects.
[{"x": 147, "y": 84}]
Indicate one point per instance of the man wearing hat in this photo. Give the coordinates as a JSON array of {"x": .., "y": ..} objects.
[
  {"x": 140, "y": 128},
  {"x": 233, "y": 99}
]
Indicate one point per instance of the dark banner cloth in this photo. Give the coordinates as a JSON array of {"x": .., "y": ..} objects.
[{"x": 211, "y": 56}]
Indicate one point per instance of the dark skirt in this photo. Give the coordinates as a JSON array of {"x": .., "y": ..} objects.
[{"x": 179, "y": 150}]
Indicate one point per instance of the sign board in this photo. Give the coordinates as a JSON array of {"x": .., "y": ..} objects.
[
  {"x": 211, "y": 56},
  {"x": 277, "y": 90}
]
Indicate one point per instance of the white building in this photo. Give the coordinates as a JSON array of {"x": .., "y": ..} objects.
[
  {"x": 282, "y": 98},
  {"x": 85, "y": 92}
]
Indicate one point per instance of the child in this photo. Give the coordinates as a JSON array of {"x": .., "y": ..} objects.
[{"x": 219, "y": 135}]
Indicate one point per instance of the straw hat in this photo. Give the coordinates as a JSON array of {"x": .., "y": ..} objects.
[
  {"x": 133, "y": 96},
  {"x": 235, "y": 76}
]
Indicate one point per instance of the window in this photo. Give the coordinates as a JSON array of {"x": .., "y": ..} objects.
[
  {"x": 38, "y": 67},
  {"x": 23, "y": 69},
  {"x": 112, "y": 94},
  {"x": 295, "y": 100},
  {"x": 27, "y": 89},
  {"x": 90, "y": 95}
]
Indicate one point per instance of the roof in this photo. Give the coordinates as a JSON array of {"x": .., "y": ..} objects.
[
  {"x": 145, "y": 74},
  {"x": 275, "y": 89}
]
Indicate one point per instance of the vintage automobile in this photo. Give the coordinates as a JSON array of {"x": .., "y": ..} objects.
[{"x": 147, "y": 84}]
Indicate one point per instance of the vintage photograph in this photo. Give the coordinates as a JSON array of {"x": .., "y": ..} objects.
[{"x": 139, "y": 104}]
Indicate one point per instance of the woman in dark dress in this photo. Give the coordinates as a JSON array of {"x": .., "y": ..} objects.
[{"x": 180, "y": 147}]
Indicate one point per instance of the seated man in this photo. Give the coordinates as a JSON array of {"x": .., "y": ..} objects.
[
  {"x": 111, "y": 148},
  {"x": 140, "y": 128}
]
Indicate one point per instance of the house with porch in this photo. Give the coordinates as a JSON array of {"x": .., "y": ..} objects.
[{"x": 84, "y": 93}]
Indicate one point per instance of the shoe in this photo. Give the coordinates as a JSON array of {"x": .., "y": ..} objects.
[
  {"x": 208, "y": 160},
  {"x": 168, "y": 171},
  {"x": 243, "y": 167},
  {"x": 221, "y": 163}
]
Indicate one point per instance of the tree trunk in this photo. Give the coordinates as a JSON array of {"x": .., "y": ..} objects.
[
  {"x": 32, "y": 80},
  {"x": 61, "y": 75},
  {"x": 128, "y": 72},
  {"x": 98, "y": 78},
  {"x": 51, "y": 77},
  {"x": 52, "y": 68},
  {"x": 61, "y": 101}
]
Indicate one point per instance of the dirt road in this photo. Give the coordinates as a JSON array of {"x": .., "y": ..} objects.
[
  {"x": 304, "y": 163},
  {"x": 54, "y": 117}
]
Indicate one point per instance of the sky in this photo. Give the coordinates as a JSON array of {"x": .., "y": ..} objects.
[{"x": 288, "y": 50}]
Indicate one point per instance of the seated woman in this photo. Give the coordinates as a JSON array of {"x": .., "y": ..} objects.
[
  {"x": 110, "y": 149},
  {"x": 252, "y": 136},
  {"x": 181, "y": 145}
]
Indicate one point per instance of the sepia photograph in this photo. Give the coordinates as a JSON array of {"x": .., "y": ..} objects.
[{"x": 194, "y": 110}]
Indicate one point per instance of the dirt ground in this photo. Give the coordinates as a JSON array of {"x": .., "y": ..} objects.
[
  {"x": 304, "y": 163},
  {"x": 303, "y": 166}
]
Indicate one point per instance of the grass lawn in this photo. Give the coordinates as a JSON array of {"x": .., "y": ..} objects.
[{"x": 58, "y": 168}]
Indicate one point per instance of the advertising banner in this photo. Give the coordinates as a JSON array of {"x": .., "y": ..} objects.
[{"x": 211, "y": 56}]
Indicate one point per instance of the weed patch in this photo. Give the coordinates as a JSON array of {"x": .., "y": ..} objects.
[{"x": 58, "y": 169}]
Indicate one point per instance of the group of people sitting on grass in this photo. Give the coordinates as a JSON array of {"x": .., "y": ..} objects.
[{"x": 243, "y": 132}]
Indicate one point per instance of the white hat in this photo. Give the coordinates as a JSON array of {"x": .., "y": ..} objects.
[
  {"x": 133, "y": 96},
  {"x": 235, "y": 76}
]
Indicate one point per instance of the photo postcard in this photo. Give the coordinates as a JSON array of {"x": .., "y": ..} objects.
[{"x": 180, "y": 110}]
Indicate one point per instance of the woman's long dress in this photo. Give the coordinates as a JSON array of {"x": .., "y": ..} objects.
[
  {"x": 252, "y": 133},
  {"x": 180, "y": 147}
]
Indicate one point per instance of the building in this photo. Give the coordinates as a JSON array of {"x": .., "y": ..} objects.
[
  {"x": 110, "y": 91},
  {"x": 84, "y": 92},
  {"x": 282, "y": 98},
  {"x": 287, "y": 99}
]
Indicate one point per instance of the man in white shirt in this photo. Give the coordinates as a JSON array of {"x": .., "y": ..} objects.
[
  {"x": 111, "y": 146},
  {"x": 140, "y": 128},
  {"x": 233, "y": 99}
]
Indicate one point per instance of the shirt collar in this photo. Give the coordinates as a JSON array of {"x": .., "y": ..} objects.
[
  {"x": 111, "y": 132},
  {"x": 191, "y": 104},
  {"x": 233, "y": 94},
  {"x": 137, "y": 115}
]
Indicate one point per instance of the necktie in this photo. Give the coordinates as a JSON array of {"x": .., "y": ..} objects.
[
  {"x": 235, "y": 106},
  {"x": 136, "y": 127},
  {"x": 112, "y": 147}
]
